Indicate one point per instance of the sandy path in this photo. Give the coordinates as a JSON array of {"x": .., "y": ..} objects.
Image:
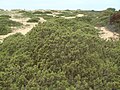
[
  {"x": 42, "y": 20},
  {"x": 107, "y": 35},
  {"x": 25, "y": 28},
  {"x": 78, "y": 15},
  {"x": 69, "y": 17}
]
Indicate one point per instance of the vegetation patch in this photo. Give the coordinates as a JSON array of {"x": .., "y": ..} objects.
[
  {"x": 34, "y": 20},
  {"x": 26, "y": 13},
  {"x": 5, "y": 16},
  {"x": 4, "y": 29},
  {"x": 61, "y": 54},
  {"x": 67, "y": 14},
  {"x": 6, "y": 24}
]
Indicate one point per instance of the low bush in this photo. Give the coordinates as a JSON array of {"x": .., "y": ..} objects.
[
  {"x": 48, "y": 12},
  {"x": 42, "y": 12},
  {"x": 6, "y": 24},
  {"x": 5, "y": 16},
  {"x": 38, "y": 12},
  {"x": 26, "y": 13},
  {"x": 33, "y": 20},
  {"x": 4, "y": 29},
  {"x": 67, "y": 14}
]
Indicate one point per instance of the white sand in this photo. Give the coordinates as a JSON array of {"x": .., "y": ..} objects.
[
  {"x": 107, "y": 34},
  {"x": 80, "y": 15}
]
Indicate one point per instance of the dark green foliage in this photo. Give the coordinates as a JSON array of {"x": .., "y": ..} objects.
[
  {"x": 42, "y": 12},
  {"x": 12, "y": 43},
  {"x": 60, "y": 54},
  {"x": 111, "y": 9},
  {"x": 33, "y": 20},
  {"x": 26, "y": 13},
  {"x": 67, "y": 14},
  {"x": 5, "y": 16},
  {"x": 38, "y": 12},
  {"x": 46, "y": 17},
  {"x": 8, "y": 22},
  {"x": 48, "y": 12},
  {"x": 87, "y": 19},
  {"x": 4, "y": 29}
]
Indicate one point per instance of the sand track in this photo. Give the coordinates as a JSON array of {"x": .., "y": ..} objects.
[
  {"x": 78, "y": 15},
  {"x": 107, "y": 34}
]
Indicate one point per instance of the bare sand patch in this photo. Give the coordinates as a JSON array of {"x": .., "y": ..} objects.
[
  {"x": 80, "y": 15},
  {"x": 107, "y": 34}
]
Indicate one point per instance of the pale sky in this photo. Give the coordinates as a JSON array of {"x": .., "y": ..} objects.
[{"x": 61, "y": 4}]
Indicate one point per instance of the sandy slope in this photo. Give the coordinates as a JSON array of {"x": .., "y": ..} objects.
[
  {"x": 79, "y": 15},
  {"x": 26, "y": 27},
  {"x": 107, "y": 34}
]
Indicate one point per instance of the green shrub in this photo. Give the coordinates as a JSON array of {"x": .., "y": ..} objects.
[
  {"x": 48, "y": 12},
  {"x": 86, "y": 19},
  {"x": 42, "y": 12},
  {"x": 10, "y": 23},
  {"x": 47, "y": 17},
  {"x": 4, "y": 29},
  {"x": 34, "y": 20},
  {"x": 38, "y": 12},
  {"x": 67, "y": 14},
  {"x": 5, "y": 16}
]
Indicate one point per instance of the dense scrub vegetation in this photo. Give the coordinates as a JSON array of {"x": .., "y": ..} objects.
[
  {"x": 9, "y": 22},
  {"x": 4, "y": 29},
  {"x": 42, "y": 12},
  {"x": 5, "y": 16},
  {"x": 60, "y": 54}
]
